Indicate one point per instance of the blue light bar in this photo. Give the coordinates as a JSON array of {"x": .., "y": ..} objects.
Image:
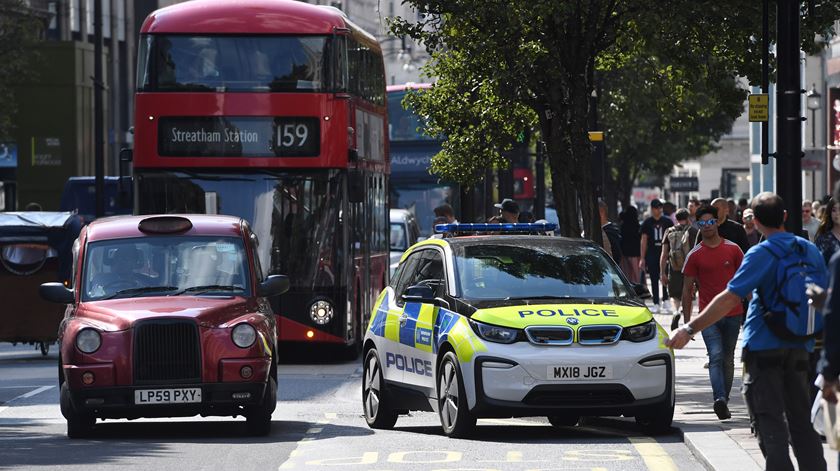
[{"x": 496, "y": 227}]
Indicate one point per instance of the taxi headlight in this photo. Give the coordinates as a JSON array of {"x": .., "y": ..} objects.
[
  {"x": 321, "y": 312},
  {"x": 640, "y": 333},
  {"x": 88, "y": 340},
  {"x": 494, "y": 333},
  {"x": 244, "y": 335}
]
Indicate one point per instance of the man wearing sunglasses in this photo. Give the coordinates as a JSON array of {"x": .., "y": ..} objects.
[{"x": 711, "y": 264}]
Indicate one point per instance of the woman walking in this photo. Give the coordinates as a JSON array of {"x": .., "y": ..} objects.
[{"x": 828, "y": 234}]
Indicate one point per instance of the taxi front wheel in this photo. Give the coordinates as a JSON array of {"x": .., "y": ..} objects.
[
  {"x": 455, "y": 415},
  {"x": 258, "y": 421},
  {"x": 78, "y": 424},
  {"x": 379, "y": 412}
]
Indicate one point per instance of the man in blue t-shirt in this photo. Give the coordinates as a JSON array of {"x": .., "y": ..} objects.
[{"x": 776, "y": 385}]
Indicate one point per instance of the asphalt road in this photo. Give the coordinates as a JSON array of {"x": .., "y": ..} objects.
[{"x": 317, "y": 426}]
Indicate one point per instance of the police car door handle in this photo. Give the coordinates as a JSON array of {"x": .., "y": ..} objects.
[{"x": 403, "y": 320}]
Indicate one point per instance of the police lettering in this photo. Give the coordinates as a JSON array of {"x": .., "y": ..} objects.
[
  {"x": 408, "y": 364},
  {"x": 569, "y": 312}
]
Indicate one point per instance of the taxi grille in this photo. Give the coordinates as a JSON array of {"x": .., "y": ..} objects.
[
  {"x": 599, "y": 334},
  {"x": 166, "y": 351}
]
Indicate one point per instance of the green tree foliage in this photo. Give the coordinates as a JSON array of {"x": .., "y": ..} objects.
[
  {"x": 19, "y": 28},
  {"x": 669, "y": 65}
]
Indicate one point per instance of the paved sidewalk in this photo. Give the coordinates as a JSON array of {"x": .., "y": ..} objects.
[{"x": 719, "y": 445}]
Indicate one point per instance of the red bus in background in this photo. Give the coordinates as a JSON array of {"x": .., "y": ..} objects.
[{"x": 274, "y": 111}]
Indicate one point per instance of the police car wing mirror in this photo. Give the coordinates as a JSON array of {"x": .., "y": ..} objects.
[
  {"x": 419, "y": 294},
  {"x": 56, "y": 293},
  {"x": 641, "y": 291},
  {"x": 274, "y": 285}
]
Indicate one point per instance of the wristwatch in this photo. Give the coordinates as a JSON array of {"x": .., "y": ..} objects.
[{"x": 687, "y": 328}]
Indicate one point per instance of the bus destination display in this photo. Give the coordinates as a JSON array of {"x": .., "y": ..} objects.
[{"x": 213, "y": 136}]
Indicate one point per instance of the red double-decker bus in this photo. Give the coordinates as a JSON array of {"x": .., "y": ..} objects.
[{"x": 274, "y": 111}]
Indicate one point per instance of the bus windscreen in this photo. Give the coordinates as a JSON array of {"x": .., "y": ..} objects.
[{"x": 213, "y": 63}]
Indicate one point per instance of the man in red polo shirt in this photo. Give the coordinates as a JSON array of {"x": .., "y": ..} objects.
[{"x": 711, "y": 264}]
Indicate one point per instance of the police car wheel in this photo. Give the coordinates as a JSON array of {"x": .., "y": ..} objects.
[
  {"x": 563, "y": 420},
  {"x": 656, "y": 419},
  {"x": 376, "y": 402},
  {"x": 455, "y": 416}
]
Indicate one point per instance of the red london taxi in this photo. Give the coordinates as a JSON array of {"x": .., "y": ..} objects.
[{"x": 167, "y": 316}]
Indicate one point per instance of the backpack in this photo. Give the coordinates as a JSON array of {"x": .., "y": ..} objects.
[
  {"x": 679, "y": 244},
  {"x": 787, "y": 312}
]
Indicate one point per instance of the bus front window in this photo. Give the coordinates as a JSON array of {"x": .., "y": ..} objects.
[{"x": 232, "y": 63}]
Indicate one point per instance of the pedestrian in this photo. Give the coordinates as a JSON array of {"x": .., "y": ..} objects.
[
  {"x": 508, "y": 210},
  {"x": 732, "y": 210},
  {"x": 693, "y": 204},
  {"x": 712, "y": 264},
  {"x": 650, "y": 247},
  {"x": 775, "y": 370},
  {"x": 611, "y": 232},
  {"x": 753, "y": 236},
  {"x": 677, "y": 243},
  {"x": 446, "y": 211},
  {"x": 630, "y": 242},
  {"x": 809, "y": 223},
  {"x": 526, "y": 217},
  {"x": 828, "y": 234},
  {"x": 727, "y": 228},
  {"x": 743, "y": 205},
  {"x": 670, "y": 211}
]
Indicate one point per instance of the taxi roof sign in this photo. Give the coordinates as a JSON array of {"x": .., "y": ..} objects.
[
  {"x": 496, "y": 227},
  {"x": 759, "y": 107}
]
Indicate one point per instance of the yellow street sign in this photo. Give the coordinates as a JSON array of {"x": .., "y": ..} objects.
[
  {"x": 759, "y": 107},
  {"x": 596, "y": 136}
]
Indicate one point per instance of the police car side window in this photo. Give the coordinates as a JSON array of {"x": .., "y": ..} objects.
[
  {"x": 431, "y": 272},
  {"x": 407, "y": 270}
]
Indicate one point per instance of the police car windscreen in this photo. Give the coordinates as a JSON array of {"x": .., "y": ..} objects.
[{"x": 509, "y": 270}]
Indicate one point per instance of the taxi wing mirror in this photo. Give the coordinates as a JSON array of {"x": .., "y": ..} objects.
[
  {"x": 274, "y": 285},
  {"x": 641, "y": 291},
  {"x": 57, "y": 293},
  {"x": 419, "y": 294}
]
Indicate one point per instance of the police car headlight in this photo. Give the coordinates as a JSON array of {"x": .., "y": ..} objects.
[
  {"x": 321, "y": 312},
  {"x": 244, "y": 335},
  {"x": 494, "y": 333},
  {"x": 88, "y": 340},
  {"x": 640, "y": 333}
]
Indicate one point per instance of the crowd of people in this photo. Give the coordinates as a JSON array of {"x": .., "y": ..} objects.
[{"x": 733, "y": 259}]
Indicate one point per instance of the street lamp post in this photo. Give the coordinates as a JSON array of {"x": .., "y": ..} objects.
[{"x": 814, "y": 103}]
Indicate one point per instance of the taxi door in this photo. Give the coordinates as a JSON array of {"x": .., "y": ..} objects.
[{"x": 417, "y": 322}]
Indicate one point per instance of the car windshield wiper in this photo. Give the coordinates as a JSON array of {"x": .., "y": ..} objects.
[
  {"x": 518, "y": 298},
  {"x": 205, "y": 288},
  {"x": 142, "y": 290}
]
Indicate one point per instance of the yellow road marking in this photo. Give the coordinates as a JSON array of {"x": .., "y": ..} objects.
[
  {"x": 654, "y": 456},
  {"x": 331, "y": 415}
]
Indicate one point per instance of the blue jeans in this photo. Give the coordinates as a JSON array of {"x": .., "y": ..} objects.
[{"x": 721, "y": 339}]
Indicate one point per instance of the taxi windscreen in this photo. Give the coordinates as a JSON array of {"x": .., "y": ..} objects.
[
  {"x": 534, "y": 271},
  {"x": 168, "y": 265}
]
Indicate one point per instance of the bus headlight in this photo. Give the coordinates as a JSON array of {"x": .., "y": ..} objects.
[
  {"x": 244, "y": 335},
  {"x": 88, "y": 340},
  {"x": 321, "y": 312}
]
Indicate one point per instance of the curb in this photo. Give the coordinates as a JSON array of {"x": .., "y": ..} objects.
[{"x": 714, "y": 449}]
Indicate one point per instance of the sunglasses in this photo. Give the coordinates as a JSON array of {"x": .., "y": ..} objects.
[{"x": 710, "y": 222}]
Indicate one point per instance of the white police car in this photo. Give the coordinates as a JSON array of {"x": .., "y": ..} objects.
[{"x": 508, "y": 325}]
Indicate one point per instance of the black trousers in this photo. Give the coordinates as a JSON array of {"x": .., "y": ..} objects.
[{"x": 778, "y": 398}]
